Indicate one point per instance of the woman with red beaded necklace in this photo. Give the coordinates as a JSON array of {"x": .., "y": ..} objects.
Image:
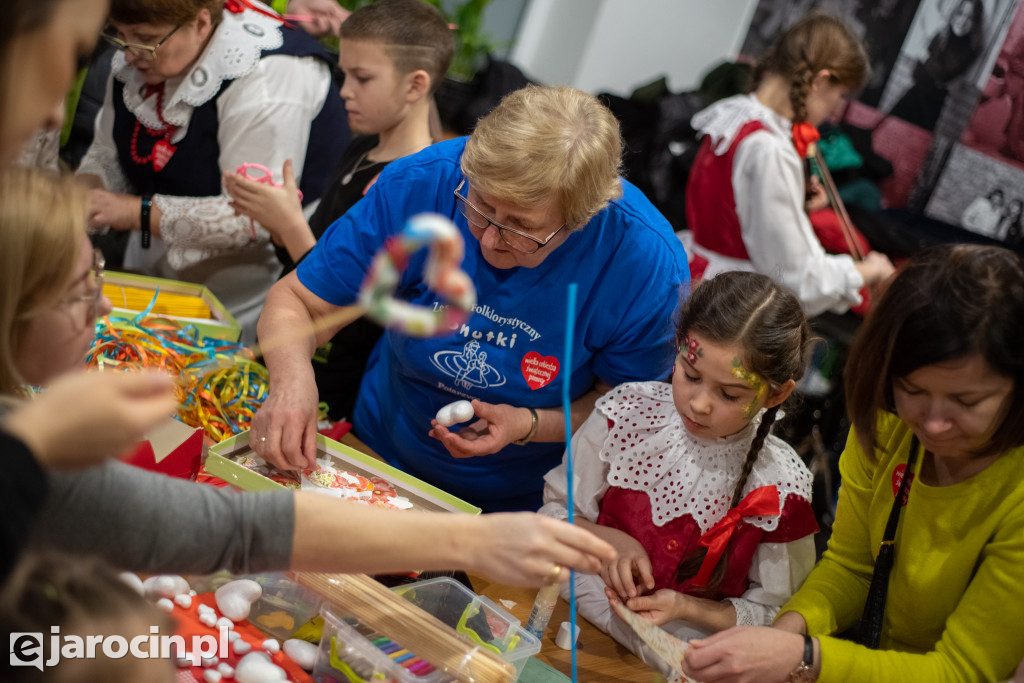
[{"x": 199, "y": 87}]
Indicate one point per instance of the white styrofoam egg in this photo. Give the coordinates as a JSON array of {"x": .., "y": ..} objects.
[
  {"x": 165, "y": 586},
  {"x": 454, "y": 413},
  {"x": 235, "y": 598},
  {"x": 301, "y": 652}
]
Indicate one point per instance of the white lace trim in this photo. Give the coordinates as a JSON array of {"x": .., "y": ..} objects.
[
  {"x": 233, "y": 52},
  {"x": 724, "y": 119},
  {"x": 107, "y": 167},
  {"x": 649, "y": 449},
  {"x": 194, "y": 229},
  {"x": 749, "y": 613}
]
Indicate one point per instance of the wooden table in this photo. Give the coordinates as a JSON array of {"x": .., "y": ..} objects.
[{"x": 598, "y": 656}]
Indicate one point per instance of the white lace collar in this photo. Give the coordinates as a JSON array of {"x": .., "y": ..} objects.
[
  {"x": 233, "y": 52},
  {"x": 649, "y": 449},
  {"x": 724, "y": 119}
]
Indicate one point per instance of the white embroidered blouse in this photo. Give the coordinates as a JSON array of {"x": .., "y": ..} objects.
[{"x": 681, "y": 474}]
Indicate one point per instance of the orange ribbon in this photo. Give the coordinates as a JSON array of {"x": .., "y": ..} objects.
[
  {"x": 760, "y": 501},
  {"x": 805, "y": 135}
]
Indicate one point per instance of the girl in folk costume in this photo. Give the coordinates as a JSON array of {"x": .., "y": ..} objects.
[
  {"x": 746, "y": 198},
  {"x": 710, "y": 514}
]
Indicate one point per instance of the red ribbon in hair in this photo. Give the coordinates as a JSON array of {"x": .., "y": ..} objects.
[
  {"x": 239, "y": 6},
  {"x": 760, "y": 501},
  {"x": 805, "y": 135}
]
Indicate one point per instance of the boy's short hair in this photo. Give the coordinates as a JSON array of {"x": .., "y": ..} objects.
[{"x": 411, "y": 32}]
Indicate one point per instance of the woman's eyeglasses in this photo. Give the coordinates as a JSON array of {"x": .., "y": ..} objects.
[
  {"x": 518, "y": 240},
  {"x": 83, "y": 309},
  {"x": 147, "y": 52}
]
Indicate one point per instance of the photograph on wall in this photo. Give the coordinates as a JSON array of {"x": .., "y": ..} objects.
[
  {"x": 996, "y": 127},
  {"x": 882, "y": 26},
  {"x": 944, "y": 62},
  {"x": 980, "y": 194}
]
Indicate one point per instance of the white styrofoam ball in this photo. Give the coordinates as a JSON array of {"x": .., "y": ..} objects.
[
  {"x": 212, "y": 676},
  {"x": 165, "y": 586},
  {"x": 453, "y": 413},
  {"x": 225, "y": 623},
  {"x": 184, "y": 600},
  {"x": 256, "y": 667},
  {"x": 271, "y": 645},
  {"x": 165, "y": 604},
  {"x": 235, "y": 598},
  {"x": 301, "y": 652},
  {"x": 208, "y": 618},
  {"x": 226, "y": 670},
  {"x": 240, "y": 647}
]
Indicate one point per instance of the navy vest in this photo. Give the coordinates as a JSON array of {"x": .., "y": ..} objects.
[{"x": 194, "y": 170}]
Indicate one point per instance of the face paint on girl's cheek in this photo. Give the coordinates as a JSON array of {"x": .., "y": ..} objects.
[
  {"x": 755, "y": 382},
  {"x": 692, "y": 349}
]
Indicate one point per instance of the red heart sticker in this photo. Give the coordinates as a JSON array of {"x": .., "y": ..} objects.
[
  {"x": 162, "y": 153},
  {"x": 538, "y": 370},
  {"x": 897, "y": 479}
]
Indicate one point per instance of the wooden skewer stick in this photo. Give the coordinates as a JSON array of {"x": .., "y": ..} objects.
[
  {"x": 837, "y": 202},
  {"x": 414, "y": 629}
]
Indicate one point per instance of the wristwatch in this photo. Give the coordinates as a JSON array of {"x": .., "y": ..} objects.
[{"x": 804, "y": 671}]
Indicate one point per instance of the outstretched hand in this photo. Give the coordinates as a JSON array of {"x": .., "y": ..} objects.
[
  {"x": 523, "y": 548},
  {"x": 498, "y": 425},
  {"x": 284, "y": 430},
  {"x": 86, "y": 417}
]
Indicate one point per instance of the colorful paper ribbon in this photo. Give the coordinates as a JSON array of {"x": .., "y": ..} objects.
[{"x": 221, "y": 386}]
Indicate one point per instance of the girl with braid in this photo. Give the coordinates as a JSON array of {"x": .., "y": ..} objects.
[
  {"x": 709, "y": 513},
  {"x": 746, "y": 201}
]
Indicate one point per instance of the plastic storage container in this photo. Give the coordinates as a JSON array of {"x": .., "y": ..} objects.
[{"x": 350, "y": 652}]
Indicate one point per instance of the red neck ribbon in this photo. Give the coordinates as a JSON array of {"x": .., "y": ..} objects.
[
  {"x": 760, "y": 501},
  {"x": 239, "y": 6},
  {"x": 804, "y": 135}
]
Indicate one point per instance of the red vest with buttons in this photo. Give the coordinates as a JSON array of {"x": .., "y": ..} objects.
[
  {"x": 666, "y": 546},
  {"x": 711, "y": 204}
]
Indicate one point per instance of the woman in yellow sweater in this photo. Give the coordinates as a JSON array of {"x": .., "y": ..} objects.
[{"x": 936, "y": 372}]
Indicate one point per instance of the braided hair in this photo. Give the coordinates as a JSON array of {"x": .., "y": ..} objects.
[
  {"x": 816, "y": 42},
  {"x": 766, "y": 321}
]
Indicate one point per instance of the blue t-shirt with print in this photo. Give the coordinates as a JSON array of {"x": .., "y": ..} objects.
[{"x": 627, "y": 263}]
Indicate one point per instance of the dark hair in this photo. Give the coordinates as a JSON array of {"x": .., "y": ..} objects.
[
  {"x": 947, "y": 303},
  {"x": 815, "y": 42},
  {"x": 411, "y": 32},
  {"x": 767, "y": 322},
  {"x": 164, "y": 11},
  {"x": 81, "y": 595}
]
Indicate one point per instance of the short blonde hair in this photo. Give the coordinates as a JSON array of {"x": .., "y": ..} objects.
[
  {"x": 543, "y": 141},
  {"x": 42, "y": 225}
]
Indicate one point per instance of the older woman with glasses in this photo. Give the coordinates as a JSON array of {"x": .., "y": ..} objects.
[
  {"x": 199, "y": 87},
  {"x": 536, "y": 195}
]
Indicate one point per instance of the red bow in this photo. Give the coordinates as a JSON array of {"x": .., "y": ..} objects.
[
  {"x": 239, "y": 6},
  {"x": 760, "y": 501},
  {"x": 805, "y": 135}
]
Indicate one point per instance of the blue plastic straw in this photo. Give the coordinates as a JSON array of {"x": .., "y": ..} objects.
[{"x": 570, "y": 332}]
